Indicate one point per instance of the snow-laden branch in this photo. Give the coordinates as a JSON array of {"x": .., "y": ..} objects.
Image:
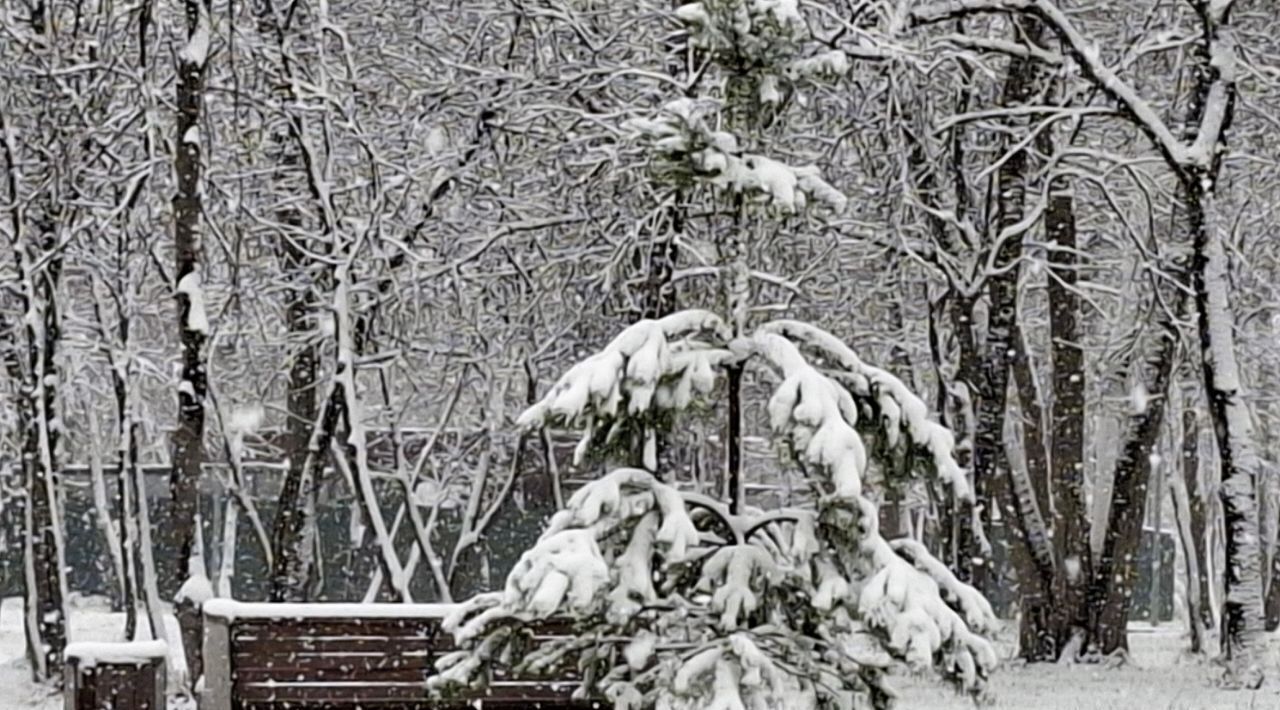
[
  {"x": 653, "y": 363},
  {"x": 1222, "y": 60},
  {"x": 689, "y": 148},
  {"x": 901, "y": 411}
]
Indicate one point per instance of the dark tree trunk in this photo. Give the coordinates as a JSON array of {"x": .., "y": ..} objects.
[
  {"x": 1111, "y": 585},
  {"x": 1038, "y": 636},
  {"x": 1070, "y": 512},
  {"x": 971, "y": 562},
  {"x": 46, "y": 580},
  {"x": 188, "y": 440},
  {"x": 1020, "y": 84},
  {"x": 1196, "y": 513},
  {"x": 292, "y": 569},
  {"x": 1273, "y": 589},
  {"x": 291, "y": 572},
  {"x": 733, "y": 441}
]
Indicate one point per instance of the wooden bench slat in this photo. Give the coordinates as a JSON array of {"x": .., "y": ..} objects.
[
  {"x": 337, "y": 645},
  {"x": 337, "y": 627},
  {"x": 262, "y": 675},
  {"x": 304, "y": 662}
]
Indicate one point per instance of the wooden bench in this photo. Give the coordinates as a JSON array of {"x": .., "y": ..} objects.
[
  {"x": 344, "y": 657},
  {"x": 115, "y": 676}
]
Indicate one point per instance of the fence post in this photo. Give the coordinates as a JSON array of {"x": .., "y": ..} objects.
[{"x": 216, "y": 694}]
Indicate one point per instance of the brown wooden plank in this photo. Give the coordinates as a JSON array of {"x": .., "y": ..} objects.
[
  {"x": 337, "y": 644},
  {"x": 360, "y": 690},
  {"x": 321, "y": 691},
  {"x": 336, "y": 627},
  {"x": 304, "y": 662},
  {"x": 297, "y": 675}
]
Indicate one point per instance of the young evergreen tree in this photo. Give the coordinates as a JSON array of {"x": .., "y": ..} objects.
[{"x": 682, "y": 601}]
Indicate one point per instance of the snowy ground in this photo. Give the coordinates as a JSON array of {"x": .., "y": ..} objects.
[
  {"x": 1158, "y": 678},
  {"x": 91, "y": 620}
]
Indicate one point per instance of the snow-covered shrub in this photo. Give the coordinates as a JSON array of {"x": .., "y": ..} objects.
[{"x": 680, "y": 604}]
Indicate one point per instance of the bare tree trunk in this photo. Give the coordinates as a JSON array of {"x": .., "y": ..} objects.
[
  {"x": 45, "y": 568},
  {"x": 289, "y": 542},
  {"x": 1272, "y": 602},
  {"x": 1024, "y": 520},
  {"x": 1038, "y": 639},
  {"x": 1181, "y": 488},
  {"x": 1243, "y": 616},
  {"x": 1157, "y": 514},
  {"x": 30, "y": 360},
  {"x": 1111, "y": 585},
  {"x": 1196, "y": 514},
  {"x": 1070, "y": 511},
  {"x": 188, "y": 440}
]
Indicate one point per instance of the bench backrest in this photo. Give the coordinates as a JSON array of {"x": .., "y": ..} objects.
[{"x": 262, "y": 656}]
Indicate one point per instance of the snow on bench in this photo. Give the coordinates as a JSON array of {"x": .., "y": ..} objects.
[
  {"x": 261, "y": 656},
  {"x": 120, "y": 676}
]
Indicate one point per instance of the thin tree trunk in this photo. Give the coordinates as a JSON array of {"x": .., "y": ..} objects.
[
  {"x": 1038, "y": 639},
  {"x": 45, "y": 566},
  {"x": 188, "y": 440},
  {"x": 1196, "y": 514},
  {"x": 1180, "y": 489},
  {"x": 102, "y": 510},
  {"x": 1272, "y": 602},
  {"x": 1157, "y": 514},
  {"x": 289, "y": 544}
]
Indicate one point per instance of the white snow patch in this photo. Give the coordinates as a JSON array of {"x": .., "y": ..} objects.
[
  {"x": 196, "y": 50},
  {"x": 231, "y": 609},
  {"x": 90, "y": 653},
  {"x": 190, "y": 285}
]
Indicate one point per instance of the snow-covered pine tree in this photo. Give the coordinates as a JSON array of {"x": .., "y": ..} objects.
[{"x": 678, "y": 600}]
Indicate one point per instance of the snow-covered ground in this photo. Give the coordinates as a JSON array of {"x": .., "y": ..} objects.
[
  {"x": 91, "y": 620},
  {"x": 1159, "y": 677}
]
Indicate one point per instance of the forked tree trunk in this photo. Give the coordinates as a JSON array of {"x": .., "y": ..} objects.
[{"x": 46, "y": 584}]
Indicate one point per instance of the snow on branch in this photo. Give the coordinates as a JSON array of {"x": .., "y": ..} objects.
[
  {"x": 901, "y": 411},
  {"x": 907, "y": 605},
  {"x": 653, "y": 364},
  {"x": 690, "y": 149},
  {"x": 196, "y": 50}
]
